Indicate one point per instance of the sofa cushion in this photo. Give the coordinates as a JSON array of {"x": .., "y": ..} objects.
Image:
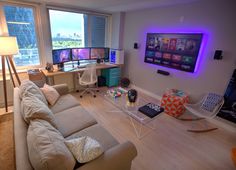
[
  {"x": 33, "y": 108},
  {"x": 50, "y": 94},
  {"x": 98, "y": 133},
  {"x": 28, "y": 88},
  {"x": 46, "y": 147},
  {"x": 84, "y": 148},
  {"x": 72, "y": 120},
  {"x": 64, "y": 102}
]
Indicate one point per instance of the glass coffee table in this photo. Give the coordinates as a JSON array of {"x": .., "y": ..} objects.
[{"x": 137, "y": 119}]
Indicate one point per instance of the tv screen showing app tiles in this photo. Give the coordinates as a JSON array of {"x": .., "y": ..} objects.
[{"x": 179, "y": 51}]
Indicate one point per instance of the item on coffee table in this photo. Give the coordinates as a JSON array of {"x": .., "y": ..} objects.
[
  {"x": 116, "y": 92},
  {"x": 151, "y": 110},
  {"x": 132, "y": 95}
]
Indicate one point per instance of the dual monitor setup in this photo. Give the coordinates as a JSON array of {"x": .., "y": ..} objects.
[{"x": 61, "y": 56}]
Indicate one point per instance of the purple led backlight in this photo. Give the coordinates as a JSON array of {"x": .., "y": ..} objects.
[{"x": 187, "y": 31}]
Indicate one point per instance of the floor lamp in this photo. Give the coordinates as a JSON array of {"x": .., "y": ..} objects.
[{"x": 8, "y": 48}]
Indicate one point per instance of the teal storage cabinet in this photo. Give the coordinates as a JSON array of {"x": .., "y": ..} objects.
[{"x": 112, "y": 76}]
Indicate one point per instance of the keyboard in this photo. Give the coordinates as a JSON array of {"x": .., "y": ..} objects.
[{"x": 68, "y": 69}]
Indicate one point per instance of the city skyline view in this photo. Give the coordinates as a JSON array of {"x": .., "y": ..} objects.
[{"x": 63, "y": 24}]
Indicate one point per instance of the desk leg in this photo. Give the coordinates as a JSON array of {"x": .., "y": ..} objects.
[
  {"x": 50, "y": 80},
  {"x": 75, "y": 80}
]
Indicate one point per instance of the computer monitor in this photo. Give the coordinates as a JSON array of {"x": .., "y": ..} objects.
[
  {"x": 99, "y": 53},
  {"x": 80, "y": 54},
  {"x": 61, "y": 56}
]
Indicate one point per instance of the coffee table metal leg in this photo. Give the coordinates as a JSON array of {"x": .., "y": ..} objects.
[
  {"x": 152, "y": 125},
  {"x": 114, "y": 111},
  {"x": 138, "y": 128}
]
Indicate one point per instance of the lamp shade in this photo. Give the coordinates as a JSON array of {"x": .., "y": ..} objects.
[{"x": 8, "y": 46}]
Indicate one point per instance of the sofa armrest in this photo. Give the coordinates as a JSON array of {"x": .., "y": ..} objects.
[
  {"x": 62, "y": 89},
  {"x": 118, "y": 157}
]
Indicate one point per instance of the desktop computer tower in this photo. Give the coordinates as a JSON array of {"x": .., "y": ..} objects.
[{"x": 116, "y": 56}]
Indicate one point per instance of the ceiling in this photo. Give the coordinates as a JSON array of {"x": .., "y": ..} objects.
[{"x": 117, "y": 5}]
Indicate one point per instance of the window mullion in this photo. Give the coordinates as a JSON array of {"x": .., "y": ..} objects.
[{"x": 39, "y": 35}]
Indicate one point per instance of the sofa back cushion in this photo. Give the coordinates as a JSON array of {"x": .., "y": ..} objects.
[
  {"x": 28, "y": 88},
  {"x": 46, "y": 147},
  {"x": 33, "y": 108},
  {"x": 50, "y": 94}
]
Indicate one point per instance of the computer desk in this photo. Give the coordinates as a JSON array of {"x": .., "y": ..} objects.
[{"x": 50, "y": 75}]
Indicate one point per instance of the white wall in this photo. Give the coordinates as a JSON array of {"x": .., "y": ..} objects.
[
  {"x": 117, "y": 30},
  {"x": 215, "y": 18}
]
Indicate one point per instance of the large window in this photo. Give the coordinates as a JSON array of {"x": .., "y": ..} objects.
[
  {"x": 67, "y": 29},
  {"x": 20, "y": 22},
  {"x": 70, "y": 29}
]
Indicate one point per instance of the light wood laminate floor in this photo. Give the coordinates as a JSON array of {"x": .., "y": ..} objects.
[{"x": 170, "y": 146}]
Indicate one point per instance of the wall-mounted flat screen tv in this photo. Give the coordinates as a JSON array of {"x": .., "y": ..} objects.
[{"x": 175, "y": 50}]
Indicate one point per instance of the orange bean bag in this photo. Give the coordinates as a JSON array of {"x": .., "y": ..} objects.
[{"x": 233, "y": 154}]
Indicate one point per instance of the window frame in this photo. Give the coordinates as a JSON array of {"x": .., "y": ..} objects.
[
  {"x": 89, "y": 13},
  {"x": 38, "y": 31}
]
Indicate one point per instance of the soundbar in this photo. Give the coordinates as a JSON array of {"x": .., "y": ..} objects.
[{"x": 165, "y": 73}]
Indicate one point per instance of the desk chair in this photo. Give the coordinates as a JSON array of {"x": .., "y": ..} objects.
[{"x": 89, "y": 79}]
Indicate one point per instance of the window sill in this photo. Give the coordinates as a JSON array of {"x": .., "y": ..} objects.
[{"x": 22, "y": 70}]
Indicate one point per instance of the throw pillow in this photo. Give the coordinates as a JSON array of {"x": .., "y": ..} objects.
[
  {"x": 33, "y": 108},
  {"x": 28, "y": 88},
  {"x": 46, "y": 147},
  {"x": 50, "y": 93},
  {"x": 84, "y": 148}
]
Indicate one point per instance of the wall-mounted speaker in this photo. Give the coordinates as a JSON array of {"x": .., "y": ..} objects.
[
  {"x": 218, "y": 55},
  {"x": 135, "y": 45}
]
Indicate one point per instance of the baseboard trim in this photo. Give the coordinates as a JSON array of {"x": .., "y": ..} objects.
[
  {"x": 10, "y": 103},
  {"x": 155, "y": 96},
  {"x": 217, "y": 120}
]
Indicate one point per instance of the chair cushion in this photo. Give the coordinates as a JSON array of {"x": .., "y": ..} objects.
[
  {"x": 33, "y": 108},
  {"x": 28, "y": 88},
  {"x": 72, "y": 120},
  {"x": 50, "y": 93},
  {"x": 98, "y": 133},
  {"x": 64, "y": 102},
  {"x": 46, "y": 147},
  {"x": 84, "y": 148}
]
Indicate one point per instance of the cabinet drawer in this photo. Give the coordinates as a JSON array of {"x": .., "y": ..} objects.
[
  {"x": 113, "y": 82},
  {"x": 114, "y": 71},
  {"x": 114, "y": 74}
]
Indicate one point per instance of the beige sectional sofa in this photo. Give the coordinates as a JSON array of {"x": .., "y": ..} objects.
[{"x": 73, "y": 121}]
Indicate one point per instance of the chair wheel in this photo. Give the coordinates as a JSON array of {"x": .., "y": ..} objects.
[
  {"x": 81, "y": 96},
  {"x": 94, "y": 96}
]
